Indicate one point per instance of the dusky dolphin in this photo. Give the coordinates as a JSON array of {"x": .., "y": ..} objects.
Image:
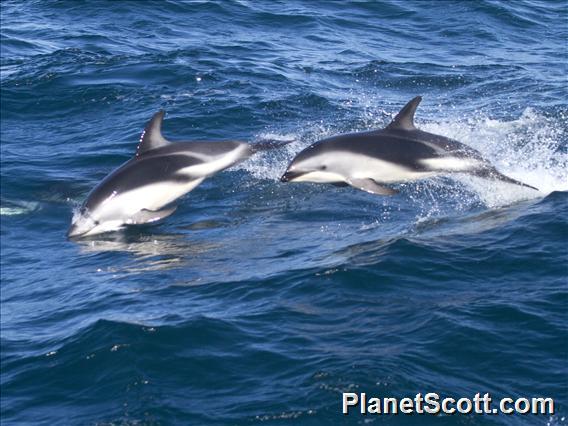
[
  {"x": 400, "y": 152},
  {"x": 143, "y": 189}
]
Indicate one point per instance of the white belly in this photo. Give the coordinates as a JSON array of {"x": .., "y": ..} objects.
[
  {"x": 387, "y": 172},
  {"x": 148, "y": 197},
  {"x": 357, "y": 166}
]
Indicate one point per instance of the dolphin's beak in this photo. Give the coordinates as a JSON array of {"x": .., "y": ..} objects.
[
  {"x": 72, "y": 231},
  {"x": 290, "y": 176}
]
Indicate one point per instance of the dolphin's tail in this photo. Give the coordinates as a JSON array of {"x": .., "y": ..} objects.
[
  {"x": 268, "y": 144},
  {"x": 492, "y": 173}
]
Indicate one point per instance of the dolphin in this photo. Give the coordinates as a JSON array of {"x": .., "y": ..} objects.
[
  {"x": 400, "y": 152},
  {"x": 143, "y": 189}
]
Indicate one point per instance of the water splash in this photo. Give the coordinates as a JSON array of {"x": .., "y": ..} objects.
[
  {"x": 528, "y": 149},
  {"x": 271, "y": 164}
]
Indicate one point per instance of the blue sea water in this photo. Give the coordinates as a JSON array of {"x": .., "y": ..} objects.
[{"x": 260, "y": 302}]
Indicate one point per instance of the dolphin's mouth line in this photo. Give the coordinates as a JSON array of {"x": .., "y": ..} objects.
[
  {"x": 71, "y": 233},
  {"x": 289, "y": 176},
  {"x": 88, "y": 233},
  {"x": 86, "y": 214}
]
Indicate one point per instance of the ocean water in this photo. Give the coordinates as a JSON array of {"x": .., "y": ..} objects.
[{"x": 260, "y": 302}]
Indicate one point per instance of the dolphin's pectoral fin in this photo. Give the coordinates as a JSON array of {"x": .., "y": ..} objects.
[
  {"x": 369, "y": 185},
  {"x": 149, "y": 216}
]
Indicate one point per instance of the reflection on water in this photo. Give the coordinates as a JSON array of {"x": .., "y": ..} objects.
[
  {"x": 256, "y": 248},
  {"x": 150, "y": 252}
]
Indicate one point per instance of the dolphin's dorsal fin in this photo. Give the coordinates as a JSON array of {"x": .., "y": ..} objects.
[
  {"x": 404, "y": 120},
  {"x": 151, "y": 137}
]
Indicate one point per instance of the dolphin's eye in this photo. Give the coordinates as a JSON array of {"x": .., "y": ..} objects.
[
  {"x": 97, "y": 222},
  {"x": 323, "y": 167}
]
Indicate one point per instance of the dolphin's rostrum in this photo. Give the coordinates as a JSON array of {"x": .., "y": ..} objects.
[
  {"x": 143, "y": 189},
  {"x": 400, "y": 152}
]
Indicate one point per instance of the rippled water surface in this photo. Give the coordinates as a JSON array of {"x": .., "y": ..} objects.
[{"x": 260, "y": 302}]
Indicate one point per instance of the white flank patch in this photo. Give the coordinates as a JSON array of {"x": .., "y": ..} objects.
[
  {"x": 358, "y": 166},
  {"x": 451, "y": 164},
  {"x": 148, "y": 197},
  {"x": 213, "y": 165},
  {"x": 320, "y": 177}
]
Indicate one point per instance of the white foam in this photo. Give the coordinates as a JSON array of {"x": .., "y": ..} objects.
[
  {"x": 271, "y": 164},
  {"x": 526, "y": 149}
]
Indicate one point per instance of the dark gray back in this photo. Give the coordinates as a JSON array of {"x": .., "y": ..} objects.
[
  {"x": 137, "y": 172},
  {"x": 405, "y": 147}
]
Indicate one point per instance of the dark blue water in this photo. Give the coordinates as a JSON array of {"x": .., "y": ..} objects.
[{"x": 260, "y": 302}]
